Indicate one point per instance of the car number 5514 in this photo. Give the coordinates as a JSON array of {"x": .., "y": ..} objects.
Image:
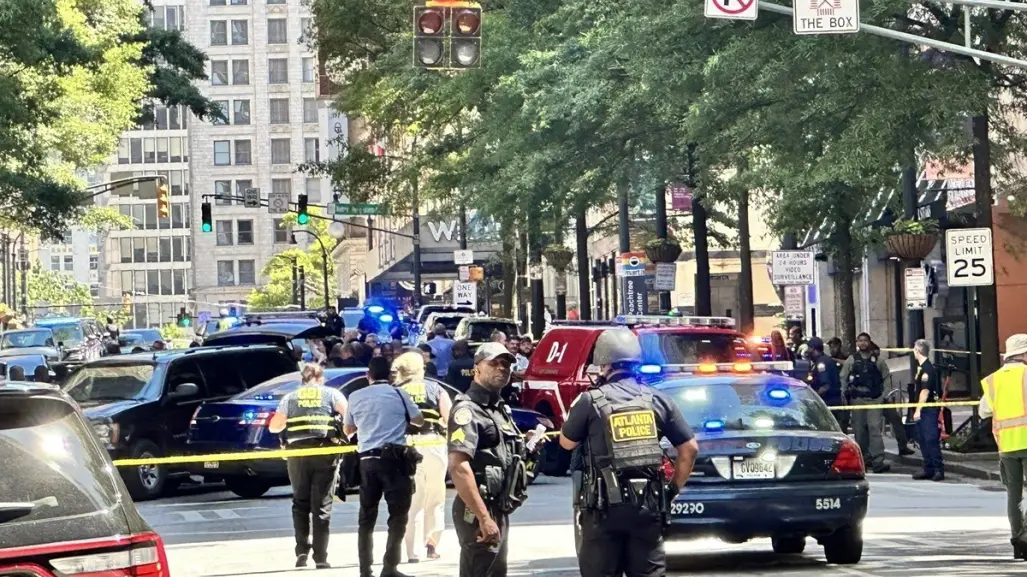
[
  {"x": 683, "y": 508},
  {"x": 828, "y": 504}
]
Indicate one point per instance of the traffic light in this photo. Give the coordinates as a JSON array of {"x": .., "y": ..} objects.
[
  {"x": 206, "y": 224},
  {"x": 302, "y": 217},
  {"x": 466, "y": 43},
  {"x": 163, "y": 201},
  {"x": 429, "y": 28},
  {"x": 183, "y": 318}
]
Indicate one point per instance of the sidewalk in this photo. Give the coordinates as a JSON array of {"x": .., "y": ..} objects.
[{"x": 974, "y": 465}]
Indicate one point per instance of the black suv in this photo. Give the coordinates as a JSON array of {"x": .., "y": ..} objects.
[
  {"x": 63, "y": 508},
  {"x": 140, "y": 405}
]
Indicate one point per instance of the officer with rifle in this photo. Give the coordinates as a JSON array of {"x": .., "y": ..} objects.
[
  {"x": 624, "y": 498},
  {"x": 863, "y": 376},
  {"x": 486, "y": 463}
]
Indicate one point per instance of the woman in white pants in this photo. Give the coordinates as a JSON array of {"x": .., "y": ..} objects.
[{"x": 426, "y": 519}]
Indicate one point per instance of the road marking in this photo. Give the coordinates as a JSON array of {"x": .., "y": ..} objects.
[{"x": 855, "y": 572}]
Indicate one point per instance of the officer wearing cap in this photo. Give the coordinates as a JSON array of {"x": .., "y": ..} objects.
[
  {"x": 486, "y": 463},
  {"x": 824, "y": 377},
  {"x": 624, "y": 496}
]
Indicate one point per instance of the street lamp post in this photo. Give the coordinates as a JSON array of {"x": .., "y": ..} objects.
[{"x": 324, "y": 263}]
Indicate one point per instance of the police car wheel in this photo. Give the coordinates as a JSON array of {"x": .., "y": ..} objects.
[
  {"x": 789, "y": 545},
  {"x": 844, "y": 546},
  {"x": 247, "y": 487},
  {"x": 145, "y": 482}
]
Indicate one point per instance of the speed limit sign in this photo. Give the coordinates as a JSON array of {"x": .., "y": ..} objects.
[{"x": 969, "y": 260}]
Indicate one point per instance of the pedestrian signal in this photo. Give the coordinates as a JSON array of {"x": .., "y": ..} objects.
[{"x": 447, "y": 35}]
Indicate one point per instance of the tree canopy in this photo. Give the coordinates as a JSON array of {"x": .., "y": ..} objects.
[{"x": 276, "y": 293}]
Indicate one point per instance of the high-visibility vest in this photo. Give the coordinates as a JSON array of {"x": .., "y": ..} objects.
[{"x": 1006, "y": 390}]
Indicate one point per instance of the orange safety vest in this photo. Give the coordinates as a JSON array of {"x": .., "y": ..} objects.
[{"x": 1006, "y": 390}]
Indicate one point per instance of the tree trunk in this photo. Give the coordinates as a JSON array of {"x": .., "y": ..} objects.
[
  {"x": 522, "y": 277},
  {"x": 509, "y": 268},
  {"x": 844, "y": 262},
  {"x": 746, "y": 311}
]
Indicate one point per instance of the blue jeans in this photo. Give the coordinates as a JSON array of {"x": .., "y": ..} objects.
[{"x": 930, "y": 440}]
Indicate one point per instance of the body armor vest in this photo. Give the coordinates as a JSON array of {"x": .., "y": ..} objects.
[
  {"x": 311, "y": 416},
  {"x": 501, "y": 470},
  {"x": 632, "y": 437},
  {"x": 429, "y": 409},
  {"x": 869, "y": 383}
]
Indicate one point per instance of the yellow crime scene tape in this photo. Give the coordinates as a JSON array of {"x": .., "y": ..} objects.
[
  {"x": 903, "y": 405},
  {"x": 943, "y": 351},
  {"x": 260, "y": 455}
]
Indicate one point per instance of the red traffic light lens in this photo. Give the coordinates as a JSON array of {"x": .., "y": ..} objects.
[
  {"x": 467, "y": 22},
  {"x": 430, "y": 22}
]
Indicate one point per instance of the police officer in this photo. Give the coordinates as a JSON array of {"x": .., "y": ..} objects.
[
  {"x": 863, "y": 376},
  {"x": 928, "y": 390},
  {"x": 486, "y": 463},
  {"x": 823, "y": 377},
  {"x": 797, "y": 343},
  {"x": 461, "y": 369},
  {"x": 624, "y": 496},
  {"x": 309, "y": 418},
  {"x": 1004, "y": 401}
]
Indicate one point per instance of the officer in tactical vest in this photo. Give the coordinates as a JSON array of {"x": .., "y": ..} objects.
[
  {"x": 486, "y": 463},
  {"x": 823, "y": 377},
  {"x": 624, "y": 497},
  {"x": 310, "y": 417},
  {"x": 863, "y": 376}
]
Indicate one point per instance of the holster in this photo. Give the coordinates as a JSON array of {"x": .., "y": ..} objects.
[{"x": 405, "y": 459}]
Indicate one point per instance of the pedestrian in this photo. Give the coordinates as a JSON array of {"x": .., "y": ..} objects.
[
  {"x": 309, "y": 418},
  {"x": 572, "y": 314},
  {"x": 461, "y": 370},
  {"x": 371, "y": 340},
  {"x": 547, "y": 316},
  {"x": 824, "y": 378},
  {"x": 113, "y": 331},
  {"x": 486, "y": 464},
  {"x": 16, "y": 373},
  {"x": 522, "y": 354},
  {"x": 41, "y": 374},
  {"x": 928, "y": 390},
  {"x": 1005, "y": 401},
  {"x": 388, "y": 352},
  {"x": 778, "y": 349},
  {"x": 622, "y": 520},
  {"x": 837, "y": 355},
  {"x": 798, "y": 343},
  {"x": 426, "y": 518},
  {"x": 430, "y": 369},
  {"x": 442, "y": 346},
  {"x": 863, "y": 376},
  {"x": 379, "y": 414}
]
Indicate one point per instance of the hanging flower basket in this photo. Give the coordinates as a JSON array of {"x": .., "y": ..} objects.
[
  {"x": 558, "y": 256},
  {"x": 911, "y": 246},
  {"x": 663, "y": 250}
]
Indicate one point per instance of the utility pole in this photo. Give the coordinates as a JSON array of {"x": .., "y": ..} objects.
[
  {"x": 915, "y": 318},
  {"x": 987, "y": 299},
  {"x": 703, "y": 297},
  {"x": 662, "y": 233},
  {"x": 303, "y": 290},
  {"x": 416, "y": 265},
  {"x": 538, "y": 318},
  {"x": 584, "y": 264},
  {"x": 5, "y": 241}
]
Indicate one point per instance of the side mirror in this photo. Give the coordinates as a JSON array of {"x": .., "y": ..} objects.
[{"x": 185, "y": 390}]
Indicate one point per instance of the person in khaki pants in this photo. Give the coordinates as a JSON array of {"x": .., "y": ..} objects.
[{"x": 863, "y": 376}]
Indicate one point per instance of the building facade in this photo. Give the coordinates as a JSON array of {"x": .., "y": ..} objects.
[{"x": 76, "y": 255}]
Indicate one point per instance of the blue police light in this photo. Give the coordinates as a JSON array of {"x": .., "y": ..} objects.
[
  {"x": 249, "y": 415},
  {"x": 650, "y": 369},
  {"x": 714, "y": 425},
  {"x": 375, "y": 309},
  {"x": 779, "y": 394},
  {"x": 385, "y": 318}
]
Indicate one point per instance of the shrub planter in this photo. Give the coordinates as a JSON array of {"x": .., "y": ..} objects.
[
  {"x": 663, "y": 250},
  {"x": 911, "y": 246},
  {"x": 558, "y": 256}
]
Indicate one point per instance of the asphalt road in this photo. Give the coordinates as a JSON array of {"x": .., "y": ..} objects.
[{"x": 913, "y": 528}]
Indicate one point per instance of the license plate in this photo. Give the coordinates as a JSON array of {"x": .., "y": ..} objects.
[
  {"x": 211, "y": 464},
  {"x": 753, "y": 469}
]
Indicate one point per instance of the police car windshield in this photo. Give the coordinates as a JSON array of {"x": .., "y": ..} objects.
[
  {"x": 728, "y": 405},
  {"x": 663, "y": 348}
]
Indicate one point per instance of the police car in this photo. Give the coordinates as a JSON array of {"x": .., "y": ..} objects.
[{"x": 772, "y": 461}]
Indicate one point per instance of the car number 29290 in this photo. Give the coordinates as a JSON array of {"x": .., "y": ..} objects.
[
  {"x": 685, "y": 508},
  {"x": 828, "y": 504}
]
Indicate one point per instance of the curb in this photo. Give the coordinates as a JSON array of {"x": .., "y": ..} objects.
[{"x": 957, "y": 467}]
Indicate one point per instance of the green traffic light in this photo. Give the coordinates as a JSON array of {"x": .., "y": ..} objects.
[
  {"x": 206, "y": 227},
  {"x": 302, "y": 218},
  {"x": 186, "y": 322}
]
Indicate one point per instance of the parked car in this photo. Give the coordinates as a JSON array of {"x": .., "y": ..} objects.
[
  {"x": 448, "y": 319},
  {"x": 28, "y": 364},
  {"x": 240, "y": 424},
  {"x": 36, "y": 341},
  {"x": 141, "y": 405},
  {"x": 151, "y": 338},
  {"x": 477, "y": 330},
  {"x": 283, "y": 333},
  {"x": 80, "y": 339},
  {"x": 63, "y": 512}
]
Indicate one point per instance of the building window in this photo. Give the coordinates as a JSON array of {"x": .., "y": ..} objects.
[
  {"x": 243, "y": 153},
  {"x": 242, "y": 112},
  {"x": 247, "y": 272},
  {"x": 309, "y": 110},
  {"x": 282, "y": 186},
  {"x": 150, "y": 209},
  {"x": 313, "y": 188},
  {"x": 178, "y": 277},
  {"x": 281, "y": 233},
  {"x": 152, "y": 284},
  {"x": 311, "y": 150},
  {"x": 245, "y": 231},
  {"x": 223, "y": 192},
  {"x": 55, "y": 262},
  {"x": 277, "y": 31},
  {"x": 217, "y": 2},
  {"x": 162, "y": 150},
  {"x": 306, "y": 29},
  {"x": 177, "y": 253},
  {"x": 160, "y": 117},
  {"x": 240, "y": 72},
  {"x": 218, "y": 72},
  {"x": 223, "y": 105},
  {"x": 139, "y": 250},
  {"x": 123, "y": 151},
  {"x": 222, "y": 153},
  {"x": 173, "y": 121},
  {"x": 309, "y": 70},
  {"x": 151, "y": 249},
  {"x": 126, "y": 251},
  {"x": 224, "y": 232},
  {"x": 241, "y": 186},
  {"x": 149, "y": 151},
  {"x": 279, "y": 110},
  {"x": 136, "y": 147},
  {"x": 278, "y": 71},
  {"x": 176, "y": 216},
  {"x": 69, "y": 262},
  {"x": 280, "y": 151},
  {"x": 165, "y": 281},
  {"x": 176, "y": 150},
  {"x": 276, "y": 1},
  {"x": 218, "y": 33},
  {"x": 240, "y": 32},
  {"x": 164, "y": 249},
  {"x": 226, "y": 272},
  {"x": 238, "y": 2},
  {"x": 94, "y": 290}
]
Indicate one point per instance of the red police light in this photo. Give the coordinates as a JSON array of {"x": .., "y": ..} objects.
[
  {"x": 467, "y": 22},
  {"x": 430, "y": 22}
]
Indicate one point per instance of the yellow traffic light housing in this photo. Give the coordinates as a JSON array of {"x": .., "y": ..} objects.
[
  {"x": 163, "y": 201},
  {"x": 447, "y": 35}
]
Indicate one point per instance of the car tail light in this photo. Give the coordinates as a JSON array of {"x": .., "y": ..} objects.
[
  {"x": 849, "y": 460},
  {"x": 139, "y": 556}
]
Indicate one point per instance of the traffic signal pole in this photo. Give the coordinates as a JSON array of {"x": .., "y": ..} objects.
[{"x": 416, "y": 264}]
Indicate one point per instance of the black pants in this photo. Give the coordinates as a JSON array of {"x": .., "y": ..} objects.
[
  {"x": 312, "y": 480},
  {"x": 930, "y": 441},
  {"x": 626, "y": 540},
  {"x": 379, "y": 479},
  {"x": 478, "y": 559}
]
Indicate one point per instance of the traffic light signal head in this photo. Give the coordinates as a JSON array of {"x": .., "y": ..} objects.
[
  {"x": 183, "y": 318},
  {"x": 206, "y": 224},
  {"x": 429, "y": 27},
  {"x": 163, "y": 201},
  {"x": 466, "y": 43},
  {"x": 302, "y": 216}
]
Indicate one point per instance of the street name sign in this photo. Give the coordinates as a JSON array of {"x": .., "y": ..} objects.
[
  {"x": 732, "y": 9},
  {"x": 916, "y": 289},
  {"x": 465, "y": 294},
  {"x": 461, "y": 257},
  {"x": 251, "y": 198},
  {"x": 278, "y": 202},
  {"x": 968, "y": 257},
  {"x": 825, "y": 16},
  {"x": 346, "y": 209},
  {"x": 793, "y": 267}
]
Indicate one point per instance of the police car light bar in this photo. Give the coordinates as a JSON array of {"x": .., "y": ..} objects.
[
  {"x": 741, "y": 367},
  {"x": 719, "y": 322}
]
